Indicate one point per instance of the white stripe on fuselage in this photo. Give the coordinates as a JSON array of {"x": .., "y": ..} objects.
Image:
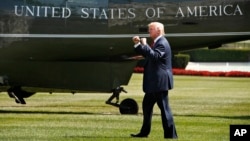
[{"x": 121, "y": 35}]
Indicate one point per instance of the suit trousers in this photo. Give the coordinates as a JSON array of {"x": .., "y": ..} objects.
[{"x": 161, "y": 98}]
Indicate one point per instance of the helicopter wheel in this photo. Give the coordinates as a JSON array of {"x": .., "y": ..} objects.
[{"x": 128, "y": 106}]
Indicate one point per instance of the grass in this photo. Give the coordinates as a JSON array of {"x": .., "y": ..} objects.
[{"x": 203, "y": 108}]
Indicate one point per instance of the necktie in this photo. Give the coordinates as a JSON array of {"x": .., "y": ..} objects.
[{"x": 152, "y": 44}]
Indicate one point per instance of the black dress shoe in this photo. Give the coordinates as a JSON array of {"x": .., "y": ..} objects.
[{"x": 139, "y": 135}]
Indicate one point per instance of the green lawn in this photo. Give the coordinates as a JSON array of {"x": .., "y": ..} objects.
[{"x": 203, "y": 108}]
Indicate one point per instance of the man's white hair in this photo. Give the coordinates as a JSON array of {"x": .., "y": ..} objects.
[{"x": 159, "y": 26}]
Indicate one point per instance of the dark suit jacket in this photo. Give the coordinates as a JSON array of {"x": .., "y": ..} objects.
[{"x": 158, "y": 75}]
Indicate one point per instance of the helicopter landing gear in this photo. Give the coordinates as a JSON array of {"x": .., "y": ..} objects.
[
  {"x": 127, "y": 106},
  {"x": 18, "y": 94}
]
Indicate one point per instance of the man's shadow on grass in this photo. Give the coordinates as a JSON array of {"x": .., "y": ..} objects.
[{"x": 217, "y": 116}]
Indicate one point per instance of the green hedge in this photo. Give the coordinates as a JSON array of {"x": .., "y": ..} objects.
[
  {"x": 219, "y": 55},
  {"x": 180, "y": 61}
]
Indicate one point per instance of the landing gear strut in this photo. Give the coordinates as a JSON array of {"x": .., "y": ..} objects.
[
  {"x": 127, "y": 106},
  {"x": 18, "y": 94}
]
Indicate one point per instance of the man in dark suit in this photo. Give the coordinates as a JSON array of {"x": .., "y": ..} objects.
[{"x": 157, "y": 80}]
